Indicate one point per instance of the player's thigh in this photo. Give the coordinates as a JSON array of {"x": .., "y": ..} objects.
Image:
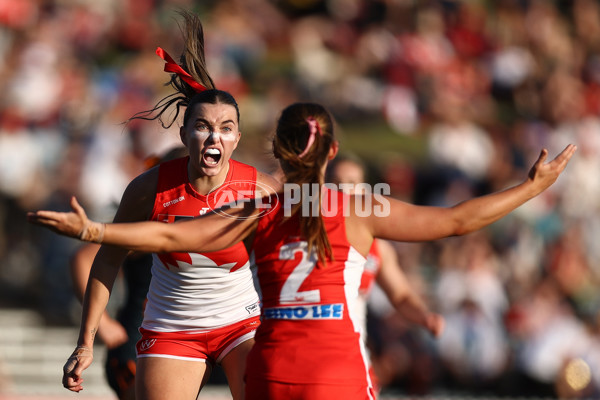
[
  {"x": 161, "y": 378},
  {"x": 234, "y": 365}
]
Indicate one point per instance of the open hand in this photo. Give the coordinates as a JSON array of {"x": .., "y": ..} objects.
[
  {"x": 545, "y": 174},
  {"x": 73, "y": 224}
]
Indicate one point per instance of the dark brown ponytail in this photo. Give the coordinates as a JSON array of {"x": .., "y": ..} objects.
[
  {"x": 302, "y": 141},
  {"x": 193, "y": 62}
]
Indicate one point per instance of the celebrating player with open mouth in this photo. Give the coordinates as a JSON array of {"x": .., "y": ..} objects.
[{"x": 202, "y": 307}]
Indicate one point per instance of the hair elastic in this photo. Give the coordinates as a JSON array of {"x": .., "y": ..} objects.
[
  {"x": 314, "y": 128},
  {"x": 172, "y": 66}
]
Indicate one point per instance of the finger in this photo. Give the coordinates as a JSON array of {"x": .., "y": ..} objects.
[
  {"x": 69, "y": 382},
  {"x": 43, "y": 222},
  {"x": 563, "y": 158},
  {"x": 74, "y": 386},
  {"x": 32, "y": 218},
  {"x": 441, "y": 326},
  {"x": 76, "y": 206},
  {"x": 50, "y": 215},
  {"x": 68, "y": 368},
  {"x": 542, "y": 157},
  {"x": 567, "y": 153},
  {"x": 78, "y": 372},
  {"x": 72, "y": 380},
  {"x": 437, "y": 325}
]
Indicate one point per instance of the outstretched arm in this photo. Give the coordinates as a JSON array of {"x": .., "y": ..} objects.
[
  {"x": 94, "y": 282},
  {"x": 406, "y": 301},
  {"x": 406, "y": 222},
  {"x": 211, "y": 232}
]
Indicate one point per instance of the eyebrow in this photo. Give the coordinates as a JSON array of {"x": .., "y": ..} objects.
[{"x": 200, "y": 119}]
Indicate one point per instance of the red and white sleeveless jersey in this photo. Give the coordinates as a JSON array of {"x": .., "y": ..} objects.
[
  {"x": 199, "y": 291},
  {"x": 367, "y": 280},
  {"x": 308, "y": 332},
  {"x": 372, "y": 267}
]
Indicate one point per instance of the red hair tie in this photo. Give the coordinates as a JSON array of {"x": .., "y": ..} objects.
[
  {"x": 314, "y": 128},
  {"x": 172, "y": 66}
]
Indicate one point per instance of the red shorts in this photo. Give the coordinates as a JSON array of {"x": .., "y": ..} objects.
[
  {"x": 210, "y": 345},
  {"x": 258, "y": 389}
]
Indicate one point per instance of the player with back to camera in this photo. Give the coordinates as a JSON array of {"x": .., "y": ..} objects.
[
  {"x": 202, "y": 307},
  {"x": 381, "y": 266},
  {"x": 309, "y": 258}
]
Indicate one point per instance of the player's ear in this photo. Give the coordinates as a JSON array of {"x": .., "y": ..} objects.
[
  {"x": 333, "y": 150},
  {"x": 183, "y": 135}
]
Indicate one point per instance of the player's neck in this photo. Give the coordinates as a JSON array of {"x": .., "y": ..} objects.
[{"x": 204, "y": 184}]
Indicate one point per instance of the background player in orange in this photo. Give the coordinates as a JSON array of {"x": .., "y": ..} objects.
[{"x": 310, "y": 258}]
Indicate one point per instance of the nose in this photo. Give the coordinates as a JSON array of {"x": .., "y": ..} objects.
[{"x": 213, "y": 137}]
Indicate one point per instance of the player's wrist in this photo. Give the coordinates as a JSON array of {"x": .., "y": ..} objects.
[
  {"x": 92, "y": 232},
  {"x": 82, "y": 351}
]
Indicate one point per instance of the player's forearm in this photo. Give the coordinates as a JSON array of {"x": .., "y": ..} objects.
[
  {"x": 479, "y": 212},
  {"x": 94, "y": 305},
  {"x": 412, "y": 309},
  {"x": 151, "y": 237},
  {"x": 97, "y": 293}
]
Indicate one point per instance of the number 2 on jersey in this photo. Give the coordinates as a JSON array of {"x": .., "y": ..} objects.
[{"x": 290, "y": 291}]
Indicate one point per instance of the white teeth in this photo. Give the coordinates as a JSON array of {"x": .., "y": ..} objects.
[{"x": 212, "y": 156}]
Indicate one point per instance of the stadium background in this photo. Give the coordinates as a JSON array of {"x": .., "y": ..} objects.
[{"x": 443, "y": 100}]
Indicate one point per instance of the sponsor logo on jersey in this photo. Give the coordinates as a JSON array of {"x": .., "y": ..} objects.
[
  {"x": 313, "y": 312},
  {"x": 174, "y": 201},
  {"x": 252, "y": 308},
  {"x": 252, "y": 324},
  {"x": 146, "y": 344}
]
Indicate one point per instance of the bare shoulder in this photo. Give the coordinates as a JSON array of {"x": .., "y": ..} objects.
[
  {"x": 138, "y": 199},
  {"x": 268, "y": 183}
]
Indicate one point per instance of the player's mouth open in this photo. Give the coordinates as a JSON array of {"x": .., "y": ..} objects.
[{"x": 212, "y": 156}]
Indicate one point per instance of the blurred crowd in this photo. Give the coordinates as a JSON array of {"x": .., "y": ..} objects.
[{"x": 480, "y": 86}]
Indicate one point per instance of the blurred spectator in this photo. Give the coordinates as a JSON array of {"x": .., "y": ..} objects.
[{"x": 473, "y": 300}]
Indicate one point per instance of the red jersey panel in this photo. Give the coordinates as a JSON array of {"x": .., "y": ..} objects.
[
  {"x": 199, "y": 291},
  {"x": 308, "y": 332}
]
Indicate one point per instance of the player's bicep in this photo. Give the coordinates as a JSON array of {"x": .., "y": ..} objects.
[
  {"x": 393, "y": 219},
  {"x": 138, "y": 199}
]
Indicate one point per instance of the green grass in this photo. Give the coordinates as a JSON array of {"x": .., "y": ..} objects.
[{"x": 376, "y": 143}]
